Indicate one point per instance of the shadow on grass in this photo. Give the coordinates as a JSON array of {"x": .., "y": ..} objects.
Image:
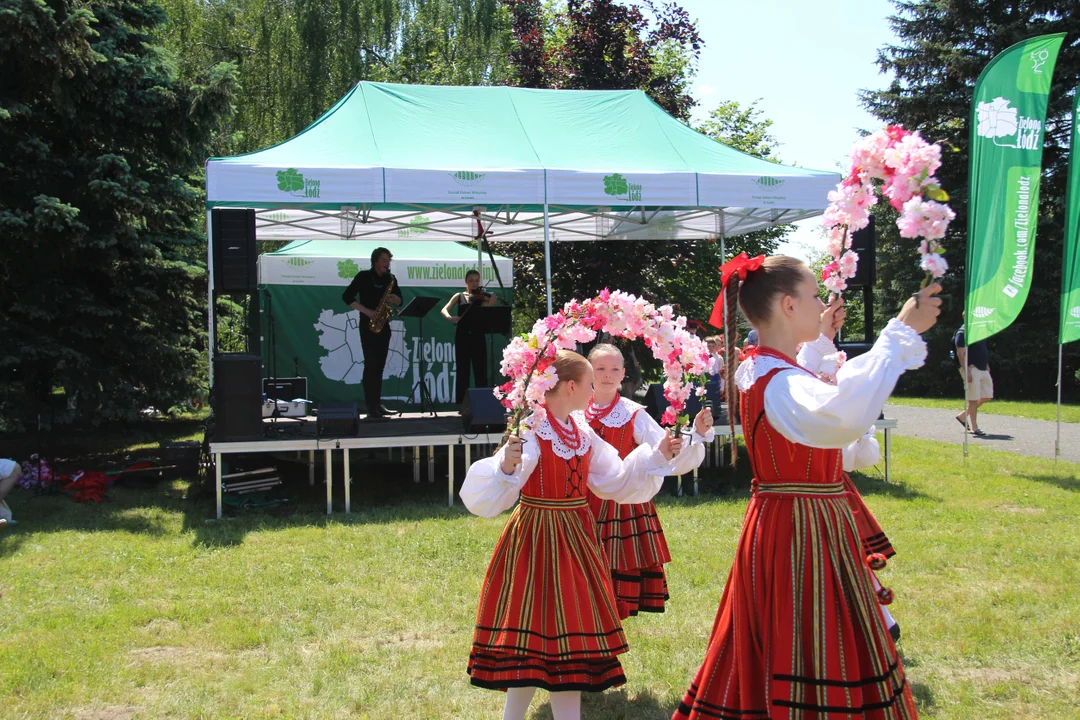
[
  {"x": 1065, "y": 482},
  {"x": 867, "y": 485},
  {"x": 382, "y": 492},
  {"x": 124, "y": 510},
  {"x": 614, "y": 705}
]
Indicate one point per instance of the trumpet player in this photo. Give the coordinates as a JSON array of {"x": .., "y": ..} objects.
[{"x": 368, "y": 293}]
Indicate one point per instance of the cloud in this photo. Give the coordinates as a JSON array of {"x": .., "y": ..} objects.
[{"x": 705, "y": 90}]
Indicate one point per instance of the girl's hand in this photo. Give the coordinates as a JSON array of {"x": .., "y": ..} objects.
[
  {"x": 511, "y": 456},
  {"x": 671, "y": 445},
  {"x": 833, "y": 317},
  {"x": 920, "y": 312},
  {"x": 703, "y": 421}
]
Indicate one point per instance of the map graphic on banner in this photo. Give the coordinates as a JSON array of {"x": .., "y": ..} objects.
[{"x": 339, "y": 335}]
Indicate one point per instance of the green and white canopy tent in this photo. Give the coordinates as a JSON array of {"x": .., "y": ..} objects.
[{"x": 398, "y": 162}]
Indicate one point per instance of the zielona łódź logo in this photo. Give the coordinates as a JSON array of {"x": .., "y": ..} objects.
[
  {"x": 297, "y": 185},
  {"x": 620, "y": 187},
  {"x": 768, "y": 183},
  {"x": 1006, "y": 127}
]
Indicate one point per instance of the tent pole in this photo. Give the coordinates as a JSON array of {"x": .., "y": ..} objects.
[
  {"x": 723, "y": 259},
  {"x": 210, "y": 297},
  {"x": 547, "y": 256}
]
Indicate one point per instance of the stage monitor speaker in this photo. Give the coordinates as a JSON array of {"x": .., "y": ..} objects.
[
  {"x": 233, "y": 234},
  {"x": 337, "y": 419},
  {"x": 481, "y": 411},
  {"x": 863, "y": 242},
  {"x": 237, "y": 397},
  {"x": 293, "y": 388}
]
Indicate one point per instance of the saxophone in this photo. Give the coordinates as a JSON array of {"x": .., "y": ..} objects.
[{"x": 385, "y": 310}]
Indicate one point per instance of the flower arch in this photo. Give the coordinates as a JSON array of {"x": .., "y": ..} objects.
[
  {"x": 900, "y": 166},
  {"x": 528, "y": 359}
]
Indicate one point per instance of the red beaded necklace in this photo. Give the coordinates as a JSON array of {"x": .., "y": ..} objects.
[
  {"x": 594, "y": 414},
  {"x": 570, "y": 438}
]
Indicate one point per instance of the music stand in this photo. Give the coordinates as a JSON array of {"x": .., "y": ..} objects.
[
  {"x": 487, "y": 320},
  {"x": 418, "y": 307}
]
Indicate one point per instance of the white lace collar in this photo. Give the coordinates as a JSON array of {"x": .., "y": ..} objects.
[
  {"x": 546, "y": 432},
  {"x": 619, "y": 415},
  {"x": 756, "y": 367}
]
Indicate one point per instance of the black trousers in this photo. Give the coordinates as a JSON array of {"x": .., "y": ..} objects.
[
  {"x": 376, "y": 347},
  {"x": 470, "y": 351}
]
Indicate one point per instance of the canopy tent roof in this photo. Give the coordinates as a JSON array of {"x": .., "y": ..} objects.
[{"x": 398, "y": 161}]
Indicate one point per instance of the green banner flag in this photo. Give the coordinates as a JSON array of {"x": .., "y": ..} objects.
[
  {"x": 1008, "y": 115},
  {"x": 1070, "y": 276}
]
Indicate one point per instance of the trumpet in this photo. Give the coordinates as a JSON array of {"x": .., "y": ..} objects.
[{"x": 385, "y": 310}]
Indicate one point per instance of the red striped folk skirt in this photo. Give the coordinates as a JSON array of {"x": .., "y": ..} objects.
[
  {"x": 547, "y": 615},
  {"x": 637, "y": 550},
  {"x": 798, "y": 633},
  {"x": 874, "y": 539}
]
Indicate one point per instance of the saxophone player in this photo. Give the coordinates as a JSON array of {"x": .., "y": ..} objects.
[{"x": 365, "y": 294}]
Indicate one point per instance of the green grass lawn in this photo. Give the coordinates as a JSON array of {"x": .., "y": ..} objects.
[
  {"x": 139, "y": 608},
  {"x": 1013, "y": 408}
]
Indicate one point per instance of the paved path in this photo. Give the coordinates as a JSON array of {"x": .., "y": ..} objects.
[{"x": 1011, "y": 434}]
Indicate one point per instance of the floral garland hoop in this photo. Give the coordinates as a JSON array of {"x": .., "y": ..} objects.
[
  {"x": 903, "y": 164},
  {"x": 528, "y": 361}
]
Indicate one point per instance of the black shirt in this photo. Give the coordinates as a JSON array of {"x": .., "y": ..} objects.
[
  {"x": 367, "y": 288},
  {"x": 978, "y": 355}
]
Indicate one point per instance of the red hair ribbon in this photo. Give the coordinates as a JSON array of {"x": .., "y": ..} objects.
[{"x": 739, "y": 265}]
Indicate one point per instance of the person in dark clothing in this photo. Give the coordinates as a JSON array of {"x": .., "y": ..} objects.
[
  {"x": 469, "y": 348},
  {"x": 978, "y": 383},
  {"x": 364, "y": 295}
]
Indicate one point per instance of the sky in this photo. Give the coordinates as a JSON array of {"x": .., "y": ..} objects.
[{"x": 805, "y": 61}]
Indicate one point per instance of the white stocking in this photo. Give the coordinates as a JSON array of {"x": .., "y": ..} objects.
[
  {"x": 517, "y": 702},
  {"x": 566, "y": 705}
]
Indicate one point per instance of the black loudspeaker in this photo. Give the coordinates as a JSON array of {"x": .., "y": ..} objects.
[
  {"x": 863, "y": 243},
  {"x": 481, "y": 411},
  {"x": 237, "y": 397},
  {"x": 337, "y": 418},
  {"x": 233, "y": 233}
]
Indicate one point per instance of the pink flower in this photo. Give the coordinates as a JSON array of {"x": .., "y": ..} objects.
[
  {"x": 928, "y": 219},
  {"x": 554, "y": 322},
  {"x": 848, "y": 263},
  {"x": 934, "y": 264},
  {"x": 835, "y": 284},
  {"x": 669, "y": 417},
  {"x": 830, "y": 270}
]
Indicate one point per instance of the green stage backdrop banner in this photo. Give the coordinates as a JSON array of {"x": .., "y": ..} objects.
[
  {"x": 308, "y": 329},
  {"x": 1008, "y": 120}
]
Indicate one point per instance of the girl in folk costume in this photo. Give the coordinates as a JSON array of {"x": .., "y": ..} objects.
[
  {"x": 823, "y": 359},
  {"x": 798, "y": 633},
  {"x": 631, "y": 533},
  {"x": 547, "y": 615}
]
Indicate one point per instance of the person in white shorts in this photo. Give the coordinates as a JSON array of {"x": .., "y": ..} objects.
[
  {"x": 979, "y": 385},
  {"x": 10, "y": 472}
]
